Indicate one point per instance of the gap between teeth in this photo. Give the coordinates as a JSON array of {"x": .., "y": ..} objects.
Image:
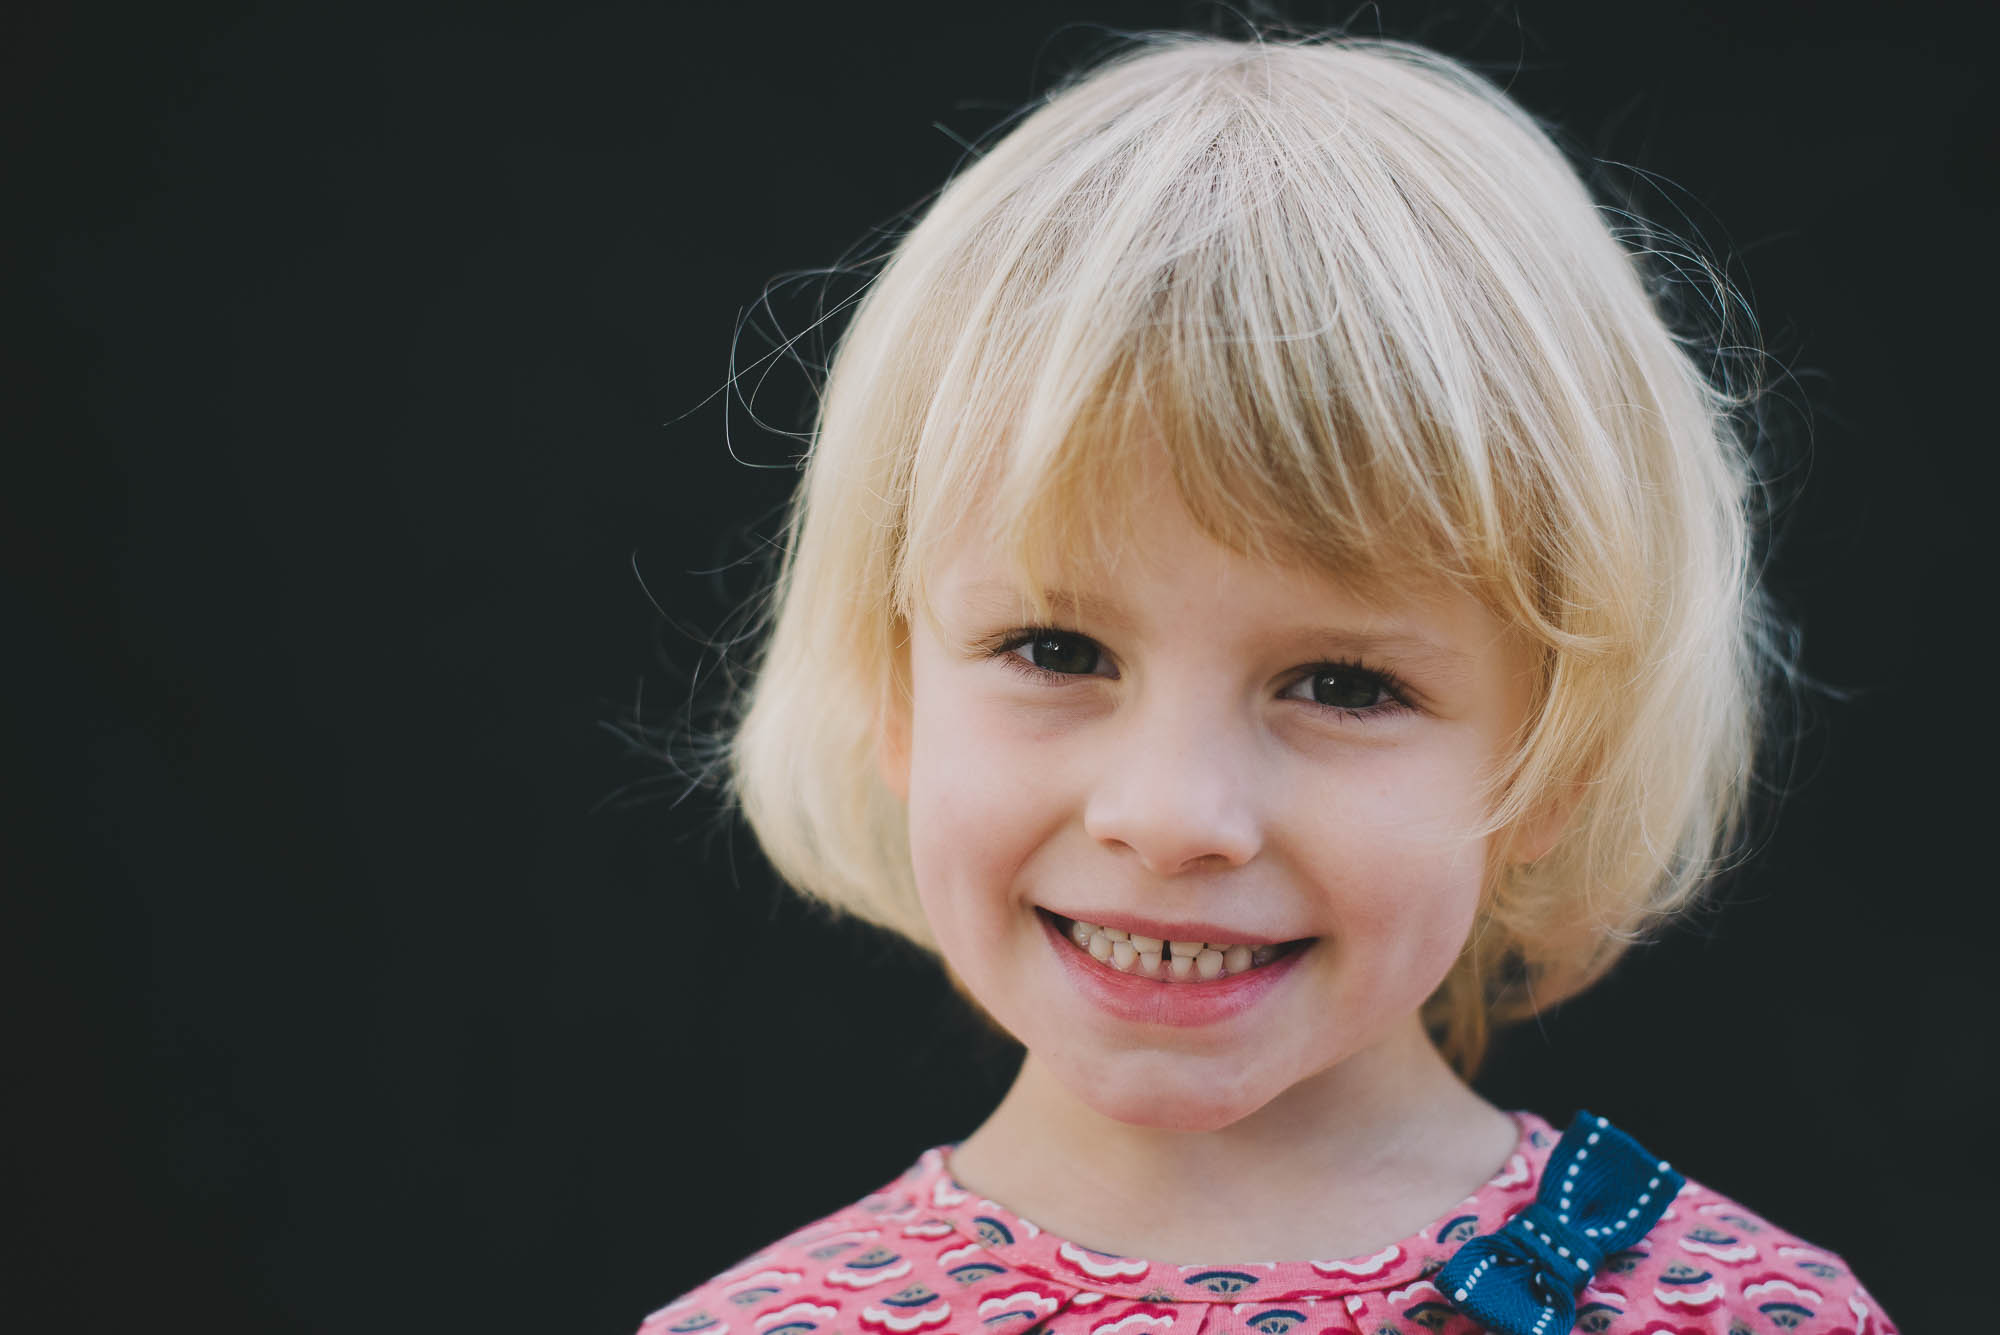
[{"x": 1172, "y": 961}]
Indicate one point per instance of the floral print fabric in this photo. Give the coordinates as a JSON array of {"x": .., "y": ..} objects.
[{"x": 923, "y": 1256}]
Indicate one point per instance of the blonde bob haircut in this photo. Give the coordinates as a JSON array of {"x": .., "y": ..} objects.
[{"x": 1366, "y": 313}]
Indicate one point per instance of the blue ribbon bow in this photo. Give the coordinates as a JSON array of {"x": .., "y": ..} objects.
[{"x": 1600, "y": 1194}]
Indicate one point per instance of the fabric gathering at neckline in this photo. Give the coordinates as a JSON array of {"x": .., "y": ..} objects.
[{"x": 992, "y": 1230}]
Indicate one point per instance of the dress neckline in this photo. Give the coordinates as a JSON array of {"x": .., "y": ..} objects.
[{"x": 992, "y": 1233}]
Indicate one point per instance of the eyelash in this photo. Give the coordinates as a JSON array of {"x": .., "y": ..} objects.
[{"x": 1397, "y": 696}]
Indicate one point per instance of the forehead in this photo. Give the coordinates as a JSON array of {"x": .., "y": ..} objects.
[
  {"x": 1159, "y": 572},
  {"x": 1106, "y": 501},
  {"x": 1099, "y": 493}
]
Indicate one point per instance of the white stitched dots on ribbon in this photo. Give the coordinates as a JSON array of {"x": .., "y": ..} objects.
[{"x": 1472, "y": 1280}]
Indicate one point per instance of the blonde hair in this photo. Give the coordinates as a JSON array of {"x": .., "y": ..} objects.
[{"x": 1377, "y": 324}]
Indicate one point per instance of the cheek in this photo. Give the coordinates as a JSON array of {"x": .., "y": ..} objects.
[
  {"x": 1398, "y": 913},
  {"x": 975, "y": 815},
  {"x": 1400, "y": 858},
  {"x": 1414, "y": 926}
]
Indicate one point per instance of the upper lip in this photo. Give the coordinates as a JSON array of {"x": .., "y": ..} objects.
[{"x": 1136, "y": 925}]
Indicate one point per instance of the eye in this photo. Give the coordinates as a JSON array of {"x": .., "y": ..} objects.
[
  {"x": 1054, "y": 655},
  {"x": 1047, "y": 653},
  {"x": 1350, "y": 689}
]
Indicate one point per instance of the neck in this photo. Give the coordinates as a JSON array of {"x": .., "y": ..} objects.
[{"x": 1340, "y": 1164}]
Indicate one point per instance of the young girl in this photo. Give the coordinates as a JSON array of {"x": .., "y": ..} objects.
[{"x": 1270, "y": 599}]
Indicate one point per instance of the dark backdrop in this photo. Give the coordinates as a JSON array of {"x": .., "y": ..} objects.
[{"x": 361, "y": 371}]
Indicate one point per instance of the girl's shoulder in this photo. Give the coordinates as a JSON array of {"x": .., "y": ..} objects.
[
  {"x": 924, "y": 1256},
  {"x": 1711, "y": 1263},
  {"x": 811, "y": 1280}
]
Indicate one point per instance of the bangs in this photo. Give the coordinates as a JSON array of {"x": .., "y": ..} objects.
[{"x": 1287, "y": 303}]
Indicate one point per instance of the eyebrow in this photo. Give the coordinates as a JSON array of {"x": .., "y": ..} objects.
[
  {"x": 1327, "y": 642},
  {"x": 1001, "y": 598}
]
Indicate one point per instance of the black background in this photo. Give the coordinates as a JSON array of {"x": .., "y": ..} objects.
[{"x": 361, "y": 363}]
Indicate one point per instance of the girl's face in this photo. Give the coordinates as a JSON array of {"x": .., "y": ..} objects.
[{"x": 1200, "y": 747}]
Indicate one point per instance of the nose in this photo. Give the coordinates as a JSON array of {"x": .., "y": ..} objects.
[{"x": 1178, "y": 792}]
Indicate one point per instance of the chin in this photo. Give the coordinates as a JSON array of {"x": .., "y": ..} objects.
[{"x": 1172, "y": 1100}]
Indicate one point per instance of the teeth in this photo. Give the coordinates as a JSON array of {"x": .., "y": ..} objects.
[{"x": 1183, "y": 961}]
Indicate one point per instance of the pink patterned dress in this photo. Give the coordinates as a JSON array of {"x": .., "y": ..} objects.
[{"x": 923, "y": 1256}]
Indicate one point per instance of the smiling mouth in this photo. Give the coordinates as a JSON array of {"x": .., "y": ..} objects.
[{"x": 1191, "y": 962}]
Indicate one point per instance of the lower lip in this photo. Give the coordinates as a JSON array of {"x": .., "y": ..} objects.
[{"x": 1144, "y": 1000}]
